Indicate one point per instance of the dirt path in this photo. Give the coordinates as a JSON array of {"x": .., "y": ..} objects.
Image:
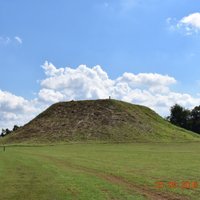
[{"x": 148, "y": 192}]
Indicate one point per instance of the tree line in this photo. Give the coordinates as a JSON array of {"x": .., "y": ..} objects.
[
  {"x": 6, "y": 131},
  {"x": 185, "y": 118}
]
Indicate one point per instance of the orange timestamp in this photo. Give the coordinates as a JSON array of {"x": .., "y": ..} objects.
[{"x": 175, "y": 184}]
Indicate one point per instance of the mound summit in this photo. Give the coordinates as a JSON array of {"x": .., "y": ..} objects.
[{"x": 98, "y": 120}]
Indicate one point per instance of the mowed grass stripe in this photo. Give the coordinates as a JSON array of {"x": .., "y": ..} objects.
[
  {"x": 148, "y": 192},
  {"x": 29, "y": 176}
]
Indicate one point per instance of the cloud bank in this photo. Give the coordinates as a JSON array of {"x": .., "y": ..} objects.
[
  {"x": 64, "y": 84},
  {"x": 15, "y": 110}
]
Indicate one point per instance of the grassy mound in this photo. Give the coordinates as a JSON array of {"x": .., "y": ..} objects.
[{"x": 98, "y": 120}]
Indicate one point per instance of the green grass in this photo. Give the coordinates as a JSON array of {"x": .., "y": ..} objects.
[{"x": 99, "y": 171}]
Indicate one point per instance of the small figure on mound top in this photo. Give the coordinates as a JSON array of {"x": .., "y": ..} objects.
[{"x": 109, "y": 97}]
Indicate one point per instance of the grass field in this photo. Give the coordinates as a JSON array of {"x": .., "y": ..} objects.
[{"x": 99, "y": 171}]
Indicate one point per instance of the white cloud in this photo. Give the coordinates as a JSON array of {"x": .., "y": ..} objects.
[
  {"x": 16, "y": 110},
  {"x": 192, "y": 20},
  {"x": 146, "y": 79},
  {"x": 63, "y": 84},
  {"x": 18, "y": 39},
  {"x": 50, "y": 69},
  {"x": 50, "y": 96},
  {"x": 148, "y": 89},
  {"x": 6, "y": 40},
  {"x": 80, "y": 83},
  {"x": 188, "y": 25},
  {"x": 12, "y": 103}
]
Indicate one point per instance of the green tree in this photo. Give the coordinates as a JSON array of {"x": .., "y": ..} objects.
[
  {"x": 3, "y": 133},
  {"x": 15, "y": 127},
  {"x": 179, "y": 116},
  {"x": 8, "y": 131},
  {"x": 195, "y": 119}
]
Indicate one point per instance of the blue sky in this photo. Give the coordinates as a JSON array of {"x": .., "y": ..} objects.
[{"x": 134, "y": 36}]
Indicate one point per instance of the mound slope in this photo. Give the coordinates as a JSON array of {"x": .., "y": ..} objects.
[{"x": 99, "y": 120}]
